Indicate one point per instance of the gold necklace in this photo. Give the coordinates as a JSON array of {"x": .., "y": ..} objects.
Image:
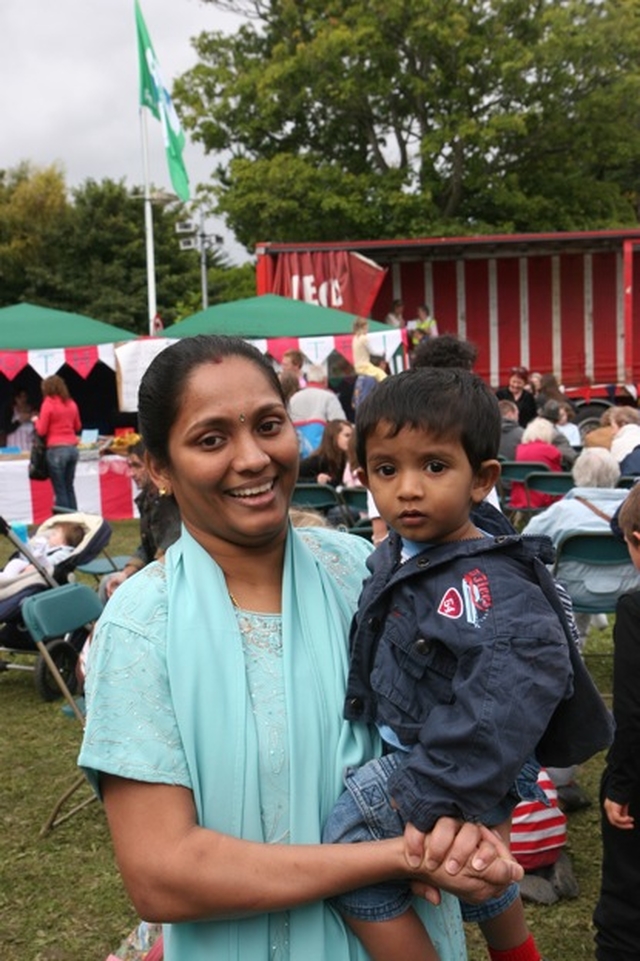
[{"x": 233, "y": 599}]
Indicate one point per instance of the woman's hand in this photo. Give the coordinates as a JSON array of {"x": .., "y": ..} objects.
[
  {"x": 323, "y": 479},
  {"x": 469, "y": 860}
]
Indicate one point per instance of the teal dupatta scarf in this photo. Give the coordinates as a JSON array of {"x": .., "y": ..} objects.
[{"x": 209, "y": 692}]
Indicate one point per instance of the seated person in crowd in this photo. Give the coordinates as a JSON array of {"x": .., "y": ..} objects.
[
  {"x": 327, "y": 463},
  {"x": 551, "y": 410},
  {"x": 49, "y": 548},
  {"x": 159, "y": 522},
  {"x": 588, "y": 508},
  {"x": 566, "y": 424},
  {"x": 511, "y": 431},
  {"x": 315, "y": 401},
  {"x": 602, "y": 435},
  {"x": 537, "y": 446},
  {"x": 517, "y": 391},
  {"x": 625, "y": 440}
]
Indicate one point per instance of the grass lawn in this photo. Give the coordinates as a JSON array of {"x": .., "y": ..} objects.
[{"x": 61, "y": 898}]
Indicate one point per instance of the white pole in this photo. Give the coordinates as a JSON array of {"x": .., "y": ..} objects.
[
  {"x": 203, "y": 263},
  {"x": 148, "y": 227}
]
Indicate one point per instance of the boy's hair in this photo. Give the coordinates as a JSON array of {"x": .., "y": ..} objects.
[
  {"x": 295, "y": 356},
  {"x": 73, "y": 533},
  {"x": 508, "y": 409},
  {"x": 447, "y": 350},
  {"x": 444, "y": 401},
  {"x": 629, "y": 516},
  {"x": 137, "y": 449}
]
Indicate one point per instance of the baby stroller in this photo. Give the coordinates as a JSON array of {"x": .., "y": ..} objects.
[{"x": 15, "y": 638}]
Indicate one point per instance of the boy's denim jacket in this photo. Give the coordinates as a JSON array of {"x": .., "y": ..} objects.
[{"x": 464, "y": 652}]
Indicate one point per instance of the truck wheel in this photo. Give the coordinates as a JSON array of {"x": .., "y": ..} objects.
[
  {"x": 588, "y": 417},
  {"x": 64, "y": 658}
]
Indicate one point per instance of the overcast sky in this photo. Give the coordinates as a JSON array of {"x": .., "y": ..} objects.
[{"x": 69, "y": 87}]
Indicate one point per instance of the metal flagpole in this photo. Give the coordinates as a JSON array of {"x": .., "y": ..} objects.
[{"x": 148, "y": 228}]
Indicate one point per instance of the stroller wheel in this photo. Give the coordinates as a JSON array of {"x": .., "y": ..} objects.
[{"x": 64, "y": 658}]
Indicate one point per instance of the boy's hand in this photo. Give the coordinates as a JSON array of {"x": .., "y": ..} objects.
[
  {"x": 618, "y": 815},
  {"x": 414, "y": 843},
  {"x": 467, "y": 859}
]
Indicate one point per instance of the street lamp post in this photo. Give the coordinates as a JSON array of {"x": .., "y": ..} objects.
[{"x": 198, "y": 239}]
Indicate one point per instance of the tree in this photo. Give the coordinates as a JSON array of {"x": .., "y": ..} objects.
[
  {"x": 33, "y": 205},
  {"x": 347, "y": 119},
  {"x": 85, "y": 253}
]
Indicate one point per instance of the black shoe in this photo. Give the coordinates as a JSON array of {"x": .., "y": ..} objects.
[
  {"x": 562, "y": 877},
  {"x": 572, "y": 798},
  {"x": 537, "y": 890}
]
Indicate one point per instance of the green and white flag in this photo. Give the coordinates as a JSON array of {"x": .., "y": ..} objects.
[{"x": 155, "y": 96}]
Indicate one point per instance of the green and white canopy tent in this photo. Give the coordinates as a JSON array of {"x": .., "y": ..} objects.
[
  {"x": 46, "y": 339},
  {"x": 36, "y": 342},
  {"x": 273, "y": 323}
]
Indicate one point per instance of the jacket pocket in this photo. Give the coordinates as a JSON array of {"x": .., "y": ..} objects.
[{"x": 413, "y": 672}]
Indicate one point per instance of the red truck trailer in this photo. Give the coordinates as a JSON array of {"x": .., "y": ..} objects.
[{"x": 559, "y": 303}]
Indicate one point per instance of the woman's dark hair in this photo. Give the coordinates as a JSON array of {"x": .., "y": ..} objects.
[
  {"x": 328, "y": 450},
  {"x": 163, "y": 384},
  {"x": 447, "y": 402},
  {"x": 550, "y": 388}
]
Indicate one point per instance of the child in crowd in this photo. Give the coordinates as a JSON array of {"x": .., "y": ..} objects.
[
  {"x": 361, "y": 354},
  {"x": 460, "y": 654},
  {"x": 49, "y": 548},
  {"x": 617, "y": 914}
]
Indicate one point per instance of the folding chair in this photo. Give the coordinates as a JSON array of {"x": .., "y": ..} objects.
[
  {"x": 627, "y": 481},
  {"x": 548, "y": 482},
  {"x": 516, "y": 470},
  {"x": 51, "y": 616},
  {"x": 597, "y": 550},
  {"x": 321, "y": 498},
  {"x": 104, "y": 565},
  {"x": 356, "y": 498}
]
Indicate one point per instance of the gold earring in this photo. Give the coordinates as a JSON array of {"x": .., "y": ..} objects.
[{"x": 162, "y": 491}]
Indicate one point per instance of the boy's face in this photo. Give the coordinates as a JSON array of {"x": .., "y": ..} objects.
[
  {"x": 633, "y": 545},
  {"x": 423, "y": 485}
]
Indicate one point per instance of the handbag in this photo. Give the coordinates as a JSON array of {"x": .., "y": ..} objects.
[{"x": 38, "y": 469}]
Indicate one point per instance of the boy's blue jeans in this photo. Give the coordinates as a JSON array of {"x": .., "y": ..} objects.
[{"x": 364, "y": 813}]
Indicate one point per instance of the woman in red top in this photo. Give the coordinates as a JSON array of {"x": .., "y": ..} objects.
[
  {"x": 536, "y": 446},
  {"x": 59, "y": 423}
]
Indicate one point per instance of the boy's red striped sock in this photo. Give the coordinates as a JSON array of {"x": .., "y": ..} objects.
[{"x": 527, "y": 951}]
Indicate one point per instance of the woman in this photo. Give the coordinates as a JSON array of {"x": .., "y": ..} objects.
[
  {"x": 59, "y": 423},
  {"x": 536, "y": 447},
  {"x": 327, "y": 463},
  {"x": 550, "y": 390},
  {"x": 215, "y": 689},
  {"x": 517, "y": 392}
]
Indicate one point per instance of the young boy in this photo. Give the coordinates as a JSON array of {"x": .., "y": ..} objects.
[
  {"x": 617, "y": 914},
  {"x": 459, "y": 653},
  {"x": 50, "y": 548}
]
